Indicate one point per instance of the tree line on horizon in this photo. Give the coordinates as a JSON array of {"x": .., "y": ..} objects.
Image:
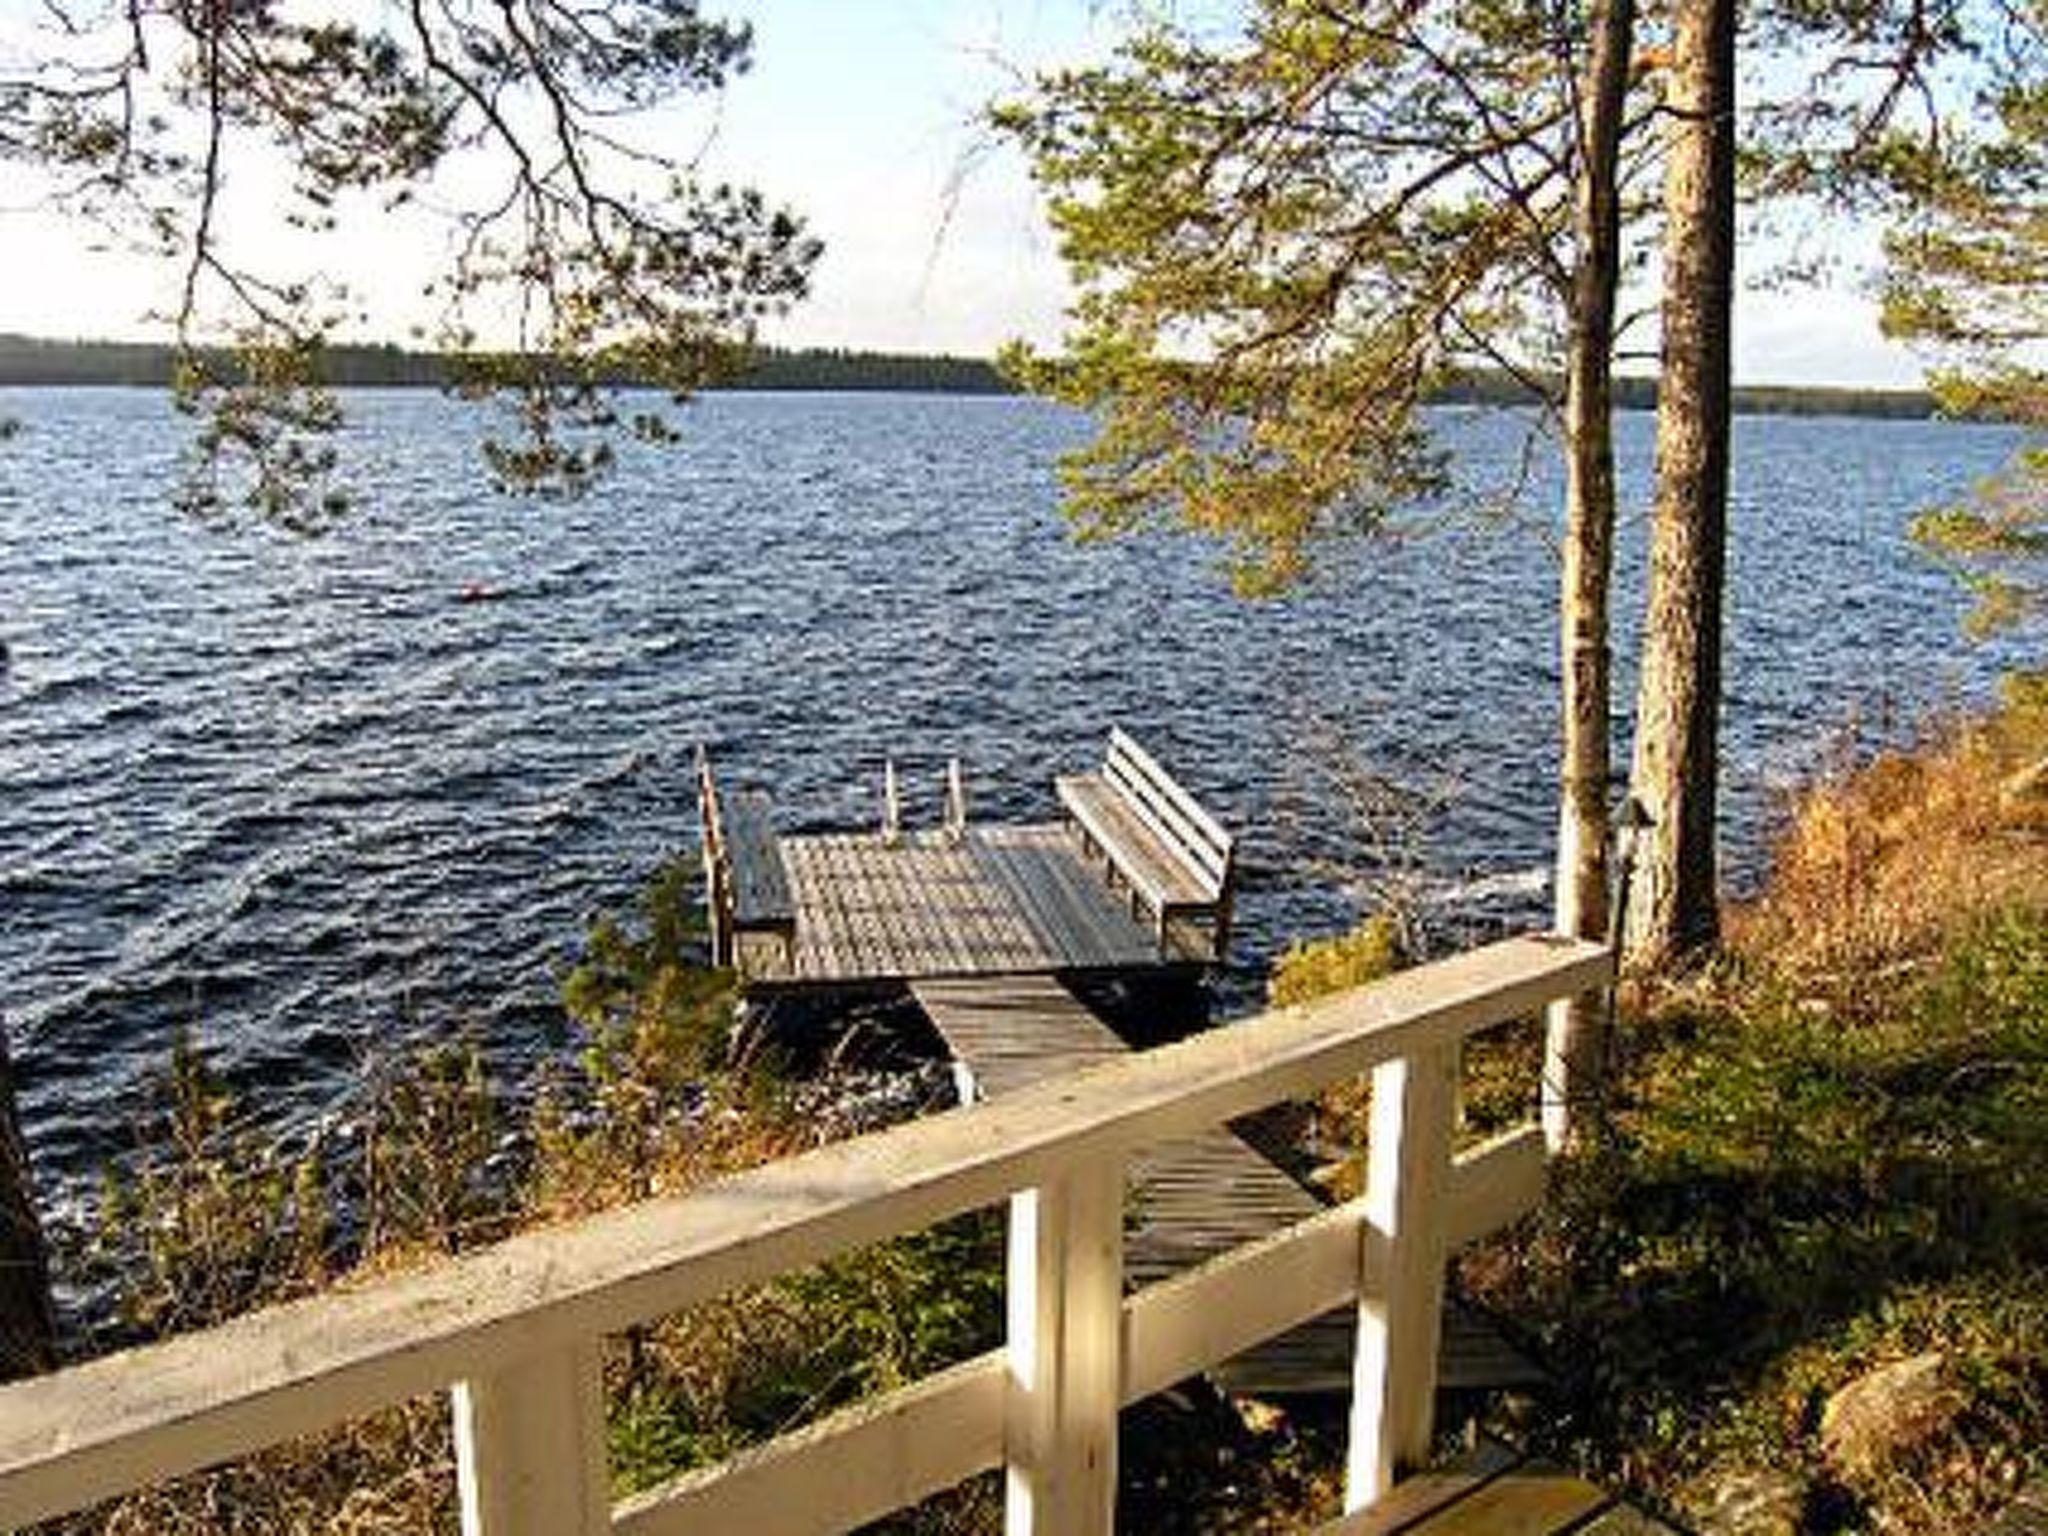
[
  {"x": 33, "y": 361},
  {"x": 28, "y": 362}
]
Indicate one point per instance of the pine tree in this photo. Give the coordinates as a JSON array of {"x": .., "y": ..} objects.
[
  {"x": 1674, "y": 906},
  {"x": 1285, "y": 245},
  {"x": 525, "y": 135},
  {"x": 1967, "y": 280}
]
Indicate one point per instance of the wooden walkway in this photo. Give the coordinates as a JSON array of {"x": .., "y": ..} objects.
[
  {"x": 1188, "y": 1200},
  {"x": 994, "y": 900}
]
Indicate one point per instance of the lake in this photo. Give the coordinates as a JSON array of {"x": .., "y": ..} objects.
[{"x": 298, "y": 798}]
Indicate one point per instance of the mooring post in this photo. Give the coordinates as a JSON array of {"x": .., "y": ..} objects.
[
  {"x": 956, "y": 802},
  {"x": 892, "y": 806}
]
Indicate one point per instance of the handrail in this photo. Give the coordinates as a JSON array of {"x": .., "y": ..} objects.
[
  {"x": 513, "y": 1329},
  {"x": 718, "y": 893}
]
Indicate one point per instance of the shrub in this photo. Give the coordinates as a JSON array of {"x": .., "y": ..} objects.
[
  {"x": 1312, "y": 968},
  {"x": 211, "y": 1220}
]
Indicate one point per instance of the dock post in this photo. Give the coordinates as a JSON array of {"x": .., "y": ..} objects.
[
  {"x": 892, "y": 805},
  {"x": 956, "y": 802}
]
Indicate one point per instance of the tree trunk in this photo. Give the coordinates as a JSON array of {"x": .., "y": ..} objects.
[
  {"x": 1576, "y": 1045},
  {"x": 28, "y": 1328},
  {"x": 1673, "y": 914}
]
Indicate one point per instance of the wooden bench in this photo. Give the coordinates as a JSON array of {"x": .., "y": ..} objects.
[
  {"x": 1174, "y": 857},
  {"x": 745, "y": 884}
]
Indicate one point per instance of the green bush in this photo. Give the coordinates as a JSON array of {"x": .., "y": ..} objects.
[
  {"x": 1804, "y": 1185},
  {"x": 1312, "y": 968},
  {"x": 212, "y": 1218}
]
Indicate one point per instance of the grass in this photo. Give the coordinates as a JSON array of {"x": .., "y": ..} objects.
[{"x": 1829, "y": 1152}]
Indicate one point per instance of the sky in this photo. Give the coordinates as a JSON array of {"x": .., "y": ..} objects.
[{"x": 862, "y": 114}]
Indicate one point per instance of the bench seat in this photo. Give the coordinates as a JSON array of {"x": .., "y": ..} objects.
[
  {"x": 1160, "y": 876},
  {"x": 1172, "y": 855},
  {"x": 761, "y": 896}
]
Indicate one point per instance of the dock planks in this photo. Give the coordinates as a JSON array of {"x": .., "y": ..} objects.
[
  {"x": 996, "y": 901},
  {"x": 1189, "y": 1200}
]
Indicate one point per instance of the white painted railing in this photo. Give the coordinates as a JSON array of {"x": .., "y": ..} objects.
[{"x": 512, "y": 1332}]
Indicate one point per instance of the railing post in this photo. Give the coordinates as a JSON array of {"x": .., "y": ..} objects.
[
  {"x": 530, "y": 1447},
  {"x": 1065, "y": 1354},
  {"x": 1393, "y": 1389}
]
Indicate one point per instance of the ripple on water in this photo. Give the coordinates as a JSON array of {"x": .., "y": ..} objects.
[{"x": 301, "y": 798}]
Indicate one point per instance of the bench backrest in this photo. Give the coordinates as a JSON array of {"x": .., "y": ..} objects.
[
  {"x": 1169, "y": 811},
  {"x": 710, "y": 814},
  {"x": 743, "y": 870}
]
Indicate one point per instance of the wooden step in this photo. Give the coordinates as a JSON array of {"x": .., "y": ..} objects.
[
  {"x": 1492, "y": 1492},
  {"x": 2027, "y": 1515},
  {"x": 1473, "y": 1356}
]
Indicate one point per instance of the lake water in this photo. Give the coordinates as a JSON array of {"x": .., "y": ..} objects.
[{"x": 297, "y": 798}]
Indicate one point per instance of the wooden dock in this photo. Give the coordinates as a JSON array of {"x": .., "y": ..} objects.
[
  {"x": 1139, "y": 877},
  {"x": 1188, "y": 1200},
  {"x": 992, "y": 900},
  {"x": 982, "y": 923}
]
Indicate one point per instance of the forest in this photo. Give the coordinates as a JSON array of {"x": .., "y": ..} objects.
[{"x": 28, "y": 362}]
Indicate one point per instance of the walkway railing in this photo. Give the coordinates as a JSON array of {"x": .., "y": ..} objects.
[{"x": 513, "y": 1332}]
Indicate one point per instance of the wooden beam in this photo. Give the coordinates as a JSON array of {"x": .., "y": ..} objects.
[
  {"x": 849, "y": 1468},
  {"x": 1393, "y": 1390},
  {"x": 530, "y": 1447}
]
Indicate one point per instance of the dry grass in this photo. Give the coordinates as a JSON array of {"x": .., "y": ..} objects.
[
  {"x": 1826, "y": 1155},
  {"x": 1883, "y": 859},
  {"x": 221, "y": 1240},
  {"x": 214, "y": 1221},
  {"x": 392, "y": 1474}
]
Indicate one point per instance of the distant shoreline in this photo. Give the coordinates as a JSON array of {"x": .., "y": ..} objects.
[{"x": 31, "y": 363}]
